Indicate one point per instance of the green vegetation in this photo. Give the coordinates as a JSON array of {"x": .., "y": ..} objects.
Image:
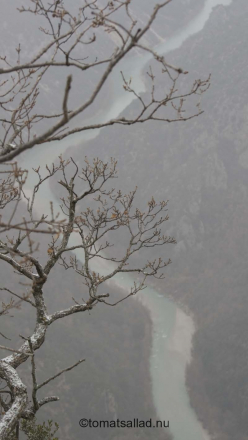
[{"x": 35, "y": 431}]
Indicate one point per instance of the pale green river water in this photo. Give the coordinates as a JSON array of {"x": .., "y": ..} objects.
[{"x": 167, "y": 367}]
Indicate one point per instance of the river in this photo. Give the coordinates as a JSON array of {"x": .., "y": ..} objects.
[{"x": 172, "y": 329}]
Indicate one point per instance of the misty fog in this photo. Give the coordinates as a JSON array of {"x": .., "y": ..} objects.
[{"x": 177, "y": 351}]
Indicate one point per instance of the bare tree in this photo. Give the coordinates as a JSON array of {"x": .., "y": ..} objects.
[
  {"x": 66, "y": 33},
  {"x": 111, "y": 211},
  {"x": 108, "y": 211}
]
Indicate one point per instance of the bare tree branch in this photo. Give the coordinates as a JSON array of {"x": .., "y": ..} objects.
[
  {"x": 67, "y": 35},
  {"x": 59, "y": 374},
  {"x": 91, "y": 228}
]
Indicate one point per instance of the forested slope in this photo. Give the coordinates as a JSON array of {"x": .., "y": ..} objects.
[{"x": 201, "y": 166}]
